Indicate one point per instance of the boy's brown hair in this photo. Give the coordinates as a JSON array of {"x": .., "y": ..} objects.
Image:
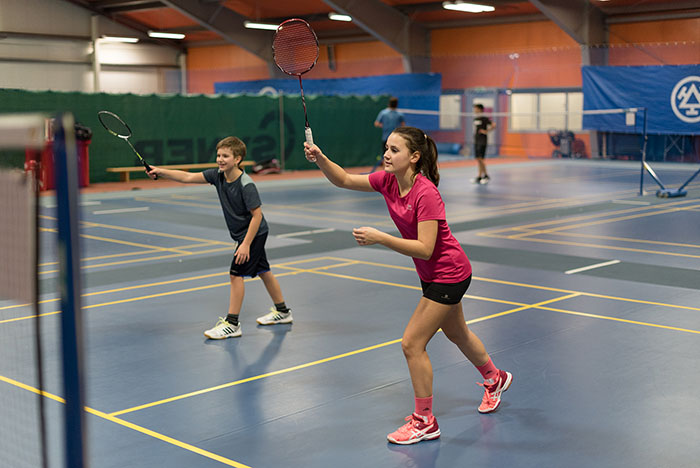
[{"x": 235, "y": 144}]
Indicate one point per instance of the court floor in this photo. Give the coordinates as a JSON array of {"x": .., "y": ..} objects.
[{"x": 586, "y": 291}]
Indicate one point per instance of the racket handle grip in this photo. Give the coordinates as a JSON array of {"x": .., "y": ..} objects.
[
  {"x": 309, "y": 136},
  {"x": 148, "y": 168}
]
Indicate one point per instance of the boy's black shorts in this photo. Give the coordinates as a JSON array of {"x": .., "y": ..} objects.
[
  {"x": 257, "y": 263},
  {"x": 480, "y": 151},
  {"x": 445, "y": 293}
]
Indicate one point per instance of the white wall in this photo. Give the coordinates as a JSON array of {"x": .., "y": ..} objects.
[{"x": 48, "y": 47}]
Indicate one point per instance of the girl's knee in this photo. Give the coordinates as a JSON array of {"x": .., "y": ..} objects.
[{"x": 411, "y": 347}]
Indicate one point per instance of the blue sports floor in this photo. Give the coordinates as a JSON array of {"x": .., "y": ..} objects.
[{"x": 587, "y": 292}]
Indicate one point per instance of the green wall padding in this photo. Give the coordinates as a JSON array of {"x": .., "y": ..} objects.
[{"x": 185, "y": 129}]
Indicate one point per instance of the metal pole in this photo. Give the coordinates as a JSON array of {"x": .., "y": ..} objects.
[
  {"x": 644, "y": 152},
  {"x": 96, "y": 70},
  {"x": 66, "y": 178},
  {"x": 283, "y": 156}
]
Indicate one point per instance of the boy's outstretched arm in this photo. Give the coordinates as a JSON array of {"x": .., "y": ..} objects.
[
  {"x": 177, "y": 175},
  {"x": 336, "y": 174}
]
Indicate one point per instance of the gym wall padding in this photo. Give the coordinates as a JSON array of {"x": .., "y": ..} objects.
[{"x": 185, "y": 129}]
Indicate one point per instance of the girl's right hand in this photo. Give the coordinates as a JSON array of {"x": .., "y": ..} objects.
[{"x": 312, "y": 152}]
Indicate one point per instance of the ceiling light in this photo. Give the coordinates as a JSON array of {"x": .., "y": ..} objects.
[
  {"x": 132, "y": 40},
  {"x": 339, "y": 17},
  {"x": 468, "y": 7},
  {"x": 165, "y": 35},
  {"x": 266, "y": 26}
]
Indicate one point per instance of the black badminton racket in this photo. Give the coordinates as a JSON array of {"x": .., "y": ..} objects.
[
  {"x": 295, "y": 49},
  {"x": 117, "y": 127}
]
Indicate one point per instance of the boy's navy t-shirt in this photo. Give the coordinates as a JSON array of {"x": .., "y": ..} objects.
[{"x": 237, "y": 199}]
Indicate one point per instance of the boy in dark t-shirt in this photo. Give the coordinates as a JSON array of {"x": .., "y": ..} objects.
[
  {"x": 482, "y": 126},
  {"x": 241, "y": 205}
]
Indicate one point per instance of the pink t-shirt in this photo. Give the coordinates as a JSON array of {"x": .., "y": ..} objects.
[{"x": 449, "y": 263}]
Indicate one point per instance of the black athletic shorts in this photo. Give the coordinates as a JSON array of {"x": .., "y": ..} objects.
[
  {"x": 445, "y": 293},
  {"x": 257, "y": 263},
  {"x": 479, "y": 151}
]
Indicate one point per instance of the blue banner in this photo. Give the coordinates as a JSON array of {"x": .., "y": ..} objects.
[
  {"x": 414, "y": 91},
  {"x": 670, "y": 95}
]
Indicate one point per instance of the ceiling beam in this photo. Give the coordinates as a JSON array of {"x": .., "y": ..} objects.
[
  {"x": 392, "y": 27},
  {"x": 228, "y": 24},
  {"x": 125, "y": 21},
  {"x": 583, "y": 22}
]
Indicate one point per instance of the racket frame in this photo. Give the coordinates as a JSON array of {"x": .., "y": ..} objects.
[
  {"x": 307, "y": 129},
  {"x": 123, "y": 137}
]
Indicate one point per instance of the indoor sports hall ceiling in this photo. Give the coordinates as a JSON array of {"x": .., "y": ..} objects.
[{"x": 208, "y": 22}]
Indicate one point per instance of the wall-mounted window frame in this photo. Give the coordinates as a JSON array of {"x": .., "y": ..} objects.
[{"x": 541, "y": 110}]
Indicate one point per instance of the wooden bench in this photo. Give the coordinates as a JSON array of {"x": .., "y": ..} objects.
[{"x": 125, "y": 172}]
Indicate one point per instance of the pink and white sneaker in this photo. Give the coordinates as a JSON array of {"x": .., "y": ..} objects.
[
  {"x": 492, "y": 394},
  {"x": 416, "y": 429}
]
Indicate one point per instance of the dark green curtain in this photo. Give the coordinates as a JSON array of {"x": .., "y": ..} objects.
[{"x": 185, "y": 129}]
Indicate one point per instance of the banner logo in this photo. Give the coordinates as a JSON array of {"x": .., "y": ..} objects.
[{"x": 685, "y": 99}]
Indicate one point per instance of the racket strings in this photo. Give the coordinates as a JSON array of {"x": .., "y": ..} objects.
[
  {"x": 114, "y": 124},
  {"x": 295, "y": 47}
]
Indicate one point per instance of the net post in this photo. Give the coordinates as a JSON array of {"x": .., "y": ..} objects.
[
  {"x": 66, "y": 178},
  {"x": 283, "y": 150},
  {"x": 644, "y": 151}
]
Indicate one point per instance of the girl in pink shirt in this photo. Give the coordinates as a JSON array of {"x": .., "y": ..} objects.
[{"x": 409, "y": 186}]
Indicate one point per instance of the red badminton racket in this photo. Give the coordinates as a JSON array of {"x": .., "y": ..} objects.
[{"x": 295, "y": 49}]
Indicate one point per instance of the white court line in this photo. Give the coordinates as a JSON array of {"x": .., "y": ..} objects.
[
  {"x": 82, "y": 203},
  {"x": 631, "y": 202},
  {"x": 122, "y": 210},
  {"x": 591, "y": 267},
  {"x": 303, "y": 233}
]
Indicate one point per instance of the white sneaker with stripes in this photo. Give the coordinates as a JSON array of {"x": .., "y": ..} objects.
[
  {"x": 223, "y": 330},
  {"x": 275, "y": 317}
]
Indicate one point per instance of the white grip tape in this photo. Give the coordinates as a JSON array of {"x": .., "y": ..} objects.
[{"x": 309, "y": 136}]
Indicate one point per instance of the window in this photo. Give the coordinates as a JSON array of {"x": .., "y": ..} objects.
[{"x": 541, "y": 112}]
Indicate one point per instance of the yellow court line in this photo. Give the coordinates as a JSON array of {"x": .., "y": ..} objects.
[
  {"x": 324, "y": 360},
  {"x": 597, "y": 246},
  {"x": 126, "y": 288},
  {"x": 142, "y": 231},
  {"x": 583, "y": 293},
  {"x": 204, "y": 204},
  {"x": 102, "y": 257},
  {"x": 132, "y": 426},
  {"x": 533, "y": 286},
  {"x": 312, "y": 363},
  {"x": 352, "y": 222},
  {"x": 273, "y": 208},
  {"x": 132, "y": 244},
  {"x": 29, "y": 388},
  {"x": 622, "y": 239},
  {"x": 543, "y": 204},
  {"x": 319, "y": 210},
  {"x": 607, "y": 220},
  {"x": 138, "y": 260},
  {"x": 352, "y": 262},
  {"x": 158, "y": 283},
  {"x": 615, "y": 319},
  {"x": 167, "y": 439},
  {"x": 595, "y": 215},
  {"x": 140, "y": 298}
]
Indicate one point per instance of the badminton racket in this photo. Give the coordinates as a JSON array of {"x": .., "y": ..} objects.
[
  {"x": 117, "y": 127},
  {"x": 295, "y": 50}
]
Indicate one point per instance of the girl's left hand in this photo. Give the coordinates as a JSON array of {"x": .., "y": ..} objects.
[{"x": 366, "y": 235}]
